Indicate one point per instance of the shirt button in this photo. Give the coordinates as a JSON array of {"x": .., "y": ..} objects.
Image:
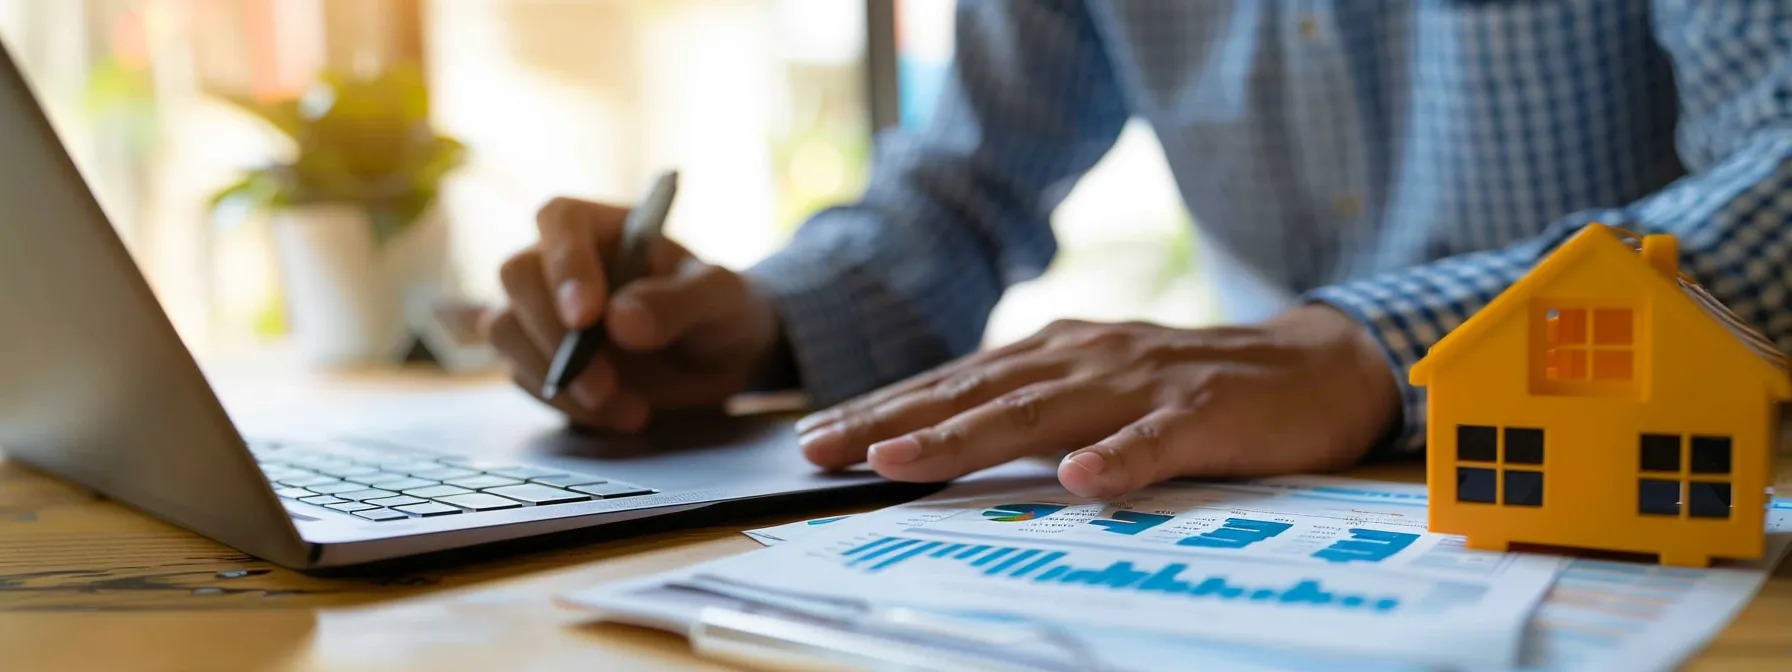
[
  {"x": 1309, "y": 28},
  {"x": 1347, "y": 206}
]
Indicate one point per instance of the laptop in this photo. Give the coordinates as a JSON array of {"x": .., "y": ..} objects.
[{"x": 96, "y": 387}]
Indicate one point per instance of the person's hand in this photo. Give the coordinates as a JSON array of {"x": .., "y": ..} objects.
[
  {"x": 1137, "y": 403},
  {"x": 689, "y": 334}
]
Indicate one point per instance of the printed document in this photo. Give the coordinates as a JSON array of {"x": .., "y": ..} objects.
[
  {"x": 1322, "y": 566},
  {"x": 1600, "y": 615}
]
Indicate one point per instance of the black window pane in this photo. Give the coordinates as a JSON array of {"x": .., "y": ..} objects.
[
  {"x": 1476, "y": 444},
  {"x": 1661, "y": 452},
  {"x": 1708, "y": 500},
  {"x": 1524, "y": 446},
  {"x": 1524, "y": 488},
  {"x": 1710, "y": 455},
  {"x": 1475, "y": 485},
  {"x": 1658, "y": 497}
]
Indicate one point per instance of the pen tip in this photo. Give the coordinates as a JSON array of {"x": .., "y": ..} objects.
[{"x": 549, "y": 390}]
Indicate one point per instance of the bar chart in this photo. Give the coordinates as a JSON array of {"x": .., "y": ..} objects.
[{"x": 1064, "y": 567}]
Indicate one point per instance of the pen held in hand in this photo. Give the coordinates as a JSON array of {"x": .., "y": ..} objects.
[{"x": 641, "y": 232}]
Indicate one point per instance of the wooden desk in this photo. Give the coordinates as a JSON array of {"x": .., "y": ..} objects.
[{"x": 86, "y": 584}]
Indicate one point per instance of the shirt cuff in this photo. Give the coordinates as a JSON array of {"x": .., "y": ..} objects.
[
  {"x": 815, "y": 304},
  {"x": 1369, "y": 305},
  {"x": 1409, "y": 310}
]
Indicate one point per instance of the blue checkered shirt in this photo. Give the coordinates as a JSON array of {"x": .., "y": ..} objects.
[{"x": 1402, "y": 160}]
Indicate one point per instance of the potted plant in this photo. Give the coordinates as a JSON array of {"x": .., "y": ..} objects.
[{"x": 353, "y": 210}]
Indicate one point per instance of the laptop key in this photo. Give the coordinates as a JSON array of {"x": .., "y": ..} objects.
[
  {"x": 278, "y": 472},
  {"x": 321, "y": 500},
  {"x": 364, "y": 495},
  {"x": 435, "y": 491},
  {"x": 351, "y": 507},
  {"x": 444, "y": 473},
  {"x": 395, "y": 502},
  {"x": 614, "y": 489},
  {"x": 482, "y": 482},
  {"x": 534, "y": 493},
  {"x": 567, "y": 480},
  {"x": 333, "y": 488},
  {"x": 477, "y": 463},
  {"x": 524, "y": 473},
  {"x": 294, "y": 493},
  {"x": 345, "y": 472},
  {"x": 380, "y": 514},
  {"x": 407, "y": 484},
  {"x": 307, "y": 481},
  {"x": 479, "y": 501},
  {"x": 377, "y": 478},
  {"x": 408, "y": 466},
  {"x": 320, "y": 465},
  {"x": 428, "y": 509}
]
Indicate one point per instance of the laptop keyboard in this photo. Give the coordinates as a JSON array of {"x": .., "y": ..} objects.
[{"x": 382, "y": 485}]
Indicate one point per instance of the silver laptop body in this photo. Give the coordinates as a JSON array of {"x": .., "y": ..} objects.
[{"x": 97, "y": 387}]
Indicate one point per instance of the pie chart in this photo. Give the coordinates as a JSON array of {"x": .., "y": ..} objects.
[{"x": 1014, "y": 513}]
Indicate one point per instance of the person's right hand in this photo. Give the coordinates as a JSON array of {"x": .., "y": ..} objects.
[{"x": 689, "y": 334}]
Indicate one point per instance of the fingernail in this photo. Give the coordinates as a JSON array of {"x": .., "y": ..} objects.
[
  {"x": 572, "y": 309},
  {"x": 900, "y": 450},
  {"x": 1090, "y": 462},
  {"x": 629, "y": 322},
  {"x": 811, "y": 421},
  {"x": 821, "y": 440},
  {"x": 627, "y": 303},
  {"x": 586, "y": 393}
]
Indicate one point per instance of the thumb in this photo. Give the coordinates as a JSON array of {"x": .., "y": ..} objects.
[{"x": 653, "y": 313}]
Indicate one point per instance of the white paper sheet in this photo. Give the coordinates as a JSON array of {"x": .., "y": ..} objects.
[
  {"x": 1604, "y": 615},
  {"x": 781, "y": 533},
  {"x": 1599, "y": 615},
  {"x": 1323, "y": 565}
]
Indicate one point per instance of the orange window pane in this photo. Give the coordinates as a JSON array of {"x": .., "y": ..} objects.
[
  {"x": 1566, "y": 364},
  {"x": 1611, "y": 365},
  {"x": 1611, "y": 326},
  {"x": 1571, "y": 326}
]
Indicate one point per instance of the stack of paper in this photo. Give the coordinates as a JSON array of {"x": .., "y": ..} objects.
[
  {"x": 1278, "y": 574},
  {"x": 1311, "y": 566}
]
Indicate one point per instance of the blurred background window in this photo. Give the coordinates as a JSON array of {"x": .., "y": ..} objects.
[{"x": 767, "y": 107}]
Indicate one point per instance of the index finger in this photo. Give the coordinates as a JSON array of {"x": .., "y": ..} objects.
[
  {"x": 820, "y": 421},
  {"x": 574, "y": 236}
]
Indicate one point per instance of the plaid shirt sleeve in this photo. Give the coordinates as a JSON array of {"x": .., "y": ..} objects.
[
  {"x": 1733, "y": 65},
  {"x": 905, "y": 279}
]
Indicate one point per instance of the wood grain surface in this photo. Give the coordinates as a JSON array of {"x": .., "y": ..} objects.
[{"x": 88, "y": 584}]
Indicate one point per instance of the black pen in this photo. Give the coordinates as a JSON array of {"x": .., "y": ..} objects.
[{"x": 640, "y": 234}]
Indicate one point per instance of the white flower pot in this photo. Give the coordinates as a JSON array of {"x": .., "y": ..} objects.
[{"x": 345, "y": 292}]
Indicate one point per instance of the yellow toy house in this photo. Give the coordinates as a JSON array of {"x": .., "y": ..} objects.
[{"x": 1605, "y": 401}]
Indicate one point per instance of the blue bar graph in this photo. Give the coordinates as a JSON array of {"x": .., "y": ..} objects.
[
  {"x": 1366, "y": 546},
  {"x": 1130, "y": 522},
  {"x": 1043, "y": 566},
  {"x": 1236, "y": 533}
]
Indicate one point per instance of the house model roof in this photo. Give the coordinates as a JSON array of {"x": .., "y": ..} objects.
[
  {"x": 1755, "y": 340},
  {"x": 1599, "y": 239}
]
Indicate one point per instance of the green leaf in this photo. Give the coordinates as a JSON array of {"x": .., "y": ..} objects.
[
  {"x": 283, "y": 115},
  {"x": 366, "y": 142}
]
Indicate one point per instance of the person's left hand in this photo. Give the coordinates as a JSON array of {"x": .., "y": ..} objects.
[{"x": 1137, "y": 403}]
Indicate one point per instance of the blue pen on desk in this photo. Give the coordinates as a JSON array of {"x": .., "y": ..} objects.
[{"x": 641, "y": 232}]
